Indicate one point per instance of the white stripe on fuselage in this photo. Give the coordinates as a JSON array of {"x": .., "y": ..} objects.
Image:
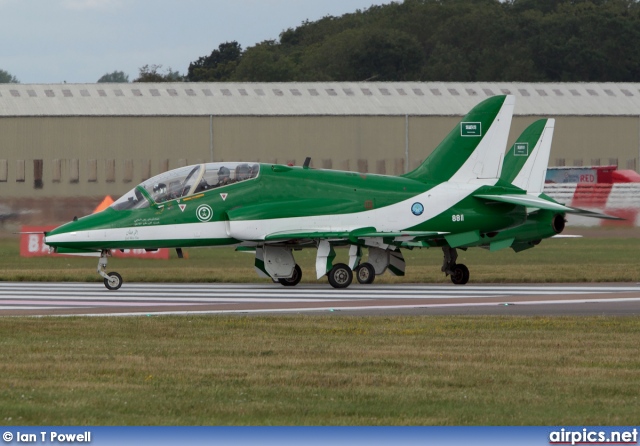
[{"x": 395, "y": 217}]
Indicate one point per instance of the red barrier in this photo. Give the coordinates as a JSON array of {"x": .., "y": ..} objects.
[
  {"x": 32, "y": 245},
  {"x": 591, "y": 195}
]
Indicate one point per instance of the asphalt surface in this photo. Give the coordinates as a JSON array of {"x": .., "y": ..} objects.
[{"x": 62, "y": 299}]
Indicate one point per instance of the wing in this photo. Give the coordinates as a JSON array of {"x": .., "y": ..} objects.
[
  {"x": 354, "y": 236},
  {"x": 306, "y": 235},
  {"x": 533, "y": 201}
]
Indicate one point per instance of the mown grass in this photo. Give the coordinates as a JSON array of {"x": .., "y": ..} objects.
[
  {"x": 555, "y": 260},
  {"x": 319, "y": 370}
]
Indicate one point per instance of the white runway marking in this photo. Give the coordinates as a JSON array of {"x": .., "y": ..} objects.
[{"x": 140, "y": 298}]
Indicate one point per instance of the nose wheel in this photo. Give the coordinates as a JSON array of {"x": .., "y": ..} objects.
[{"x": 113, "y": 282}]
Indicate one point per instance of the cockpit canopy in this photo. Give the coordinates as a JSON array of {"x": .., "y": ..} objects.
[{"x": 184, "y": 182}]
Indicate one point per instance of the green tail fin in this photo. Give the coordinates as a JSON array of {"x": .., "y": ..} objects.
[
  {"x": 525, "y": 164},
  {"x": 474, "y": 148}
]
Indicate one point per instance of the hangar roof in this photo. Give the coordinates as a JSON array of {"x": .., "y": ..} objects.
[{"x": 314, "y": 98}]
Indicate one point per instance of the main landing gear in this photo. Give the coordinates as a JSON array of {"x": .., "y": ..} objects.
[
  {"x": 459, "y": 273},
  {"x": 294, "y": 279},
  {"x": 341, "y": 276},
  {"x": 365, "y": 273},
  {"x": 112, "y": 280}
]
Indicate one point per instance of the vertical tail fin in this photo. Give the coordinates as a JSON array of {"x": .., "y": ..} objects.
[
  {"x": 525, "y": 164},
  {"x": 474, "y": 148}
]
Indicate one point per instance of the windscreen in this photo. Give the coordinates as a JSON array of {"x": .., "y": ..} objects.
[
  {"x": 131, "y": 200},
  {"x": 186, "y": 181}
]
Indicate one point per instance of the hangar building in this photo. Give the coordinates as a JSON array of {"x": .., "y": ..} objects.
[{"x": 90, "y": 140}]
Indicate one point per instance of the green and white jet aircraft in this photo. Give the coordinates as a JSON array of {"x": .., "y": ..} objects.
[{"x": 465, "y": 194}]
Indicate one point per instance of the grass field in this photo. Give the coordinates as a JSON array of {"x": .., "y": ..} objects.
[
  {"x": 590, "y": 259},
  {"x": 326, "y": 369},
  {"x": 319, "y": 370}
]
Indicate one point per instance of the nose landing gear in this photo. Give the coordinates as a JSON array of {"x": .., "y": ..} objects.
[{"x": 112, "y": 280}]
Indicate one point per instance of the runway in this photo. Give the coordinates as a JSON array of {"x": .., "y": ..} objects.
[{"x": 92, "y": 299}]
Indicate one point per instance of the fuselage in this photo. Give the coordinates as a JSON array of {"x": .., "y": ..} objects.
[{"x": 278, "y": 199}]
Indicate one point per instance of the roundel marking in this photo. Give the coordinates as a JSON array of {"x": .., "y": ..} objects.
[
  {"x": 417, "y": 208},
  {"x": 204, "y": 212}
]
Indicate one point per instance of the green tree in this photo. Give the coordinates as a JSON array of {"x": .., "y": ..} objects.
[
  {"x": 448, "y": 40},
  {"x": 8, "y": 78},
  {"x": 590, "y": 42},
  {"x": 218, "y": 66},
  {"x": 362, "y": 54},
  {"x": 265, "y": 63},
  {"x": 150, "y": 73},
  {"x": 387, "y": 56},
  {"x": 115, "y": 77}
]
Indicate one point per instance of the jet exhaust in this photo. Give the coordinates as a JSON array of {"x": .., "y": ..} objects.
[{"x": 558, "y": 223}]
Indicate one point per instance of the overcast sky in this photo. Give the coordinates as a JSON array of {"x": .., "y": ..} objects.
[{"x": 77, "y": 41}]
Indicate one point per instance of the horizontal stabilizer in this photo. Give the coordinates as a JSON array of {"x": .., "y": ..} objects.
[{"x": 532, "y": 201}]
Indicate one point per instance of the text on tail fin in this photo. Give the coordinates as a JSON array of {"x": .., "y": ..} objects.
[
  {"x": 474, "y": 147},
  {"x": 525, "y": 164}
]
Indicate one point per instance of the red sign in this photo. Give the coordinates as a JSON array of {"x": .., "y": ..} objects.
[{"x": 32, "y": 245}]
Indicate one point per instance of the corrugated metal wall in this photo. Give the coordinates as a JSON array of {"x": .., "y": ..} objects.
[{"x": 96, "y": 156}]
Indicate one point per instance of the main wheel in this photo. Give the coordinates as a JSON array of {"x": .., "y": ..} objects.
[
  {"x": 365, "y": 273},
  {"x": 294, "y": 279},
  {"x": 460, "y": 274},
  {"x": 113, "y": 282},
  {"x": 340, "y": 276}
]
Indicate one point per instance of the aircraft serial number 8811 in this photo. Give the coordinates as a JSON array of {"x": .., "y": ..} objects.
[{"x": 467, "y": 193}]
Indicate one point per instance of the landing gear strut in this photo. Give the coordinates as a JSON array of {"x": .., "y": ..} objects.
[
  {"x": 112, "y": 280},
  {"x": 459, "y": 273}
]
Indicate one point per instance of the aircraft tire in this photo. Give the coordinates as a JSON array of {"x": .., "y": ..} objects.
[
  {"x": 340, "y": 276},
  {"x": 460, "y": 274},
  {"x": 114, "y": 281},
  {"x": 365, "y": 273},
  {"x": 293, "y": 280}
]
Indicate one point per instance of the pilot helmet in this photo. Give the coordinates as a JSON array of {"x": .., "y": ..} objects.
[{"x": 223, "y": 173}]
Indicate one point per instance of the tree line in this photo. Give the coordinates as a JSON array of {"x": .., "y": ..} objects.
[
  {"x": 446, "y": 40},
  {"x": 436, "y": 40}
]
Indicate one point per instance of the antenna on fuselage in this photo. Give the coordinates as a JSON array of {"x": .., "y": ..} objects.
[{"x": 307, "y": 161}]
